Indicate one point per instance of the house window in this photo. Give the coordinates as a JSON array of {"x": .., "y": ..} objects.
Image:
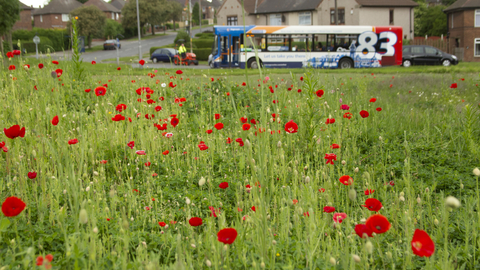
[
  {"x": 41, "y": 18},
  {"x": 341, "y": 16},
  {"x": 477, "y": 47},
  {"x": 477, "y": 18},
  {"x": 305, "y": 18},
  {"x": 390, "y": 17},
  {"x": 65, "y": 18},
  {"x": 233, "y": 20},
  {"x": 452, "y": 20},
  {"x": 117, "y": 16},
  {"x": 275, "y": 19},
  {"x": 113, "y": 16}
]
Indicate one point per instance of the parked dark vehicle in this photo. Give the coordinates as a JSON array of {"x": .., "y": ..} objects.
[
  {"x": 163, "y": 55},
  {"x": 110, "y": 44},
  {"x": 426, "y": 55}
]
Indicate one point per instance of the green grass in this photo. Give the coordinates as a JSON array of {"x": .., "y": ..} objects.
[
  {"x": 94, "y": 48},
  {"x": 420, "y": 148}
]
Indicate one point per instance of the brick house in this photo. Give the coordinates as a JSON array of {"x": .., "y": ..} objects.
[
  {"x": 463, "y": 22},
  {"x": 111, "y": 12},
  {"x": 118, "y": 4},
  {"x": 55, "y": 14},
  {"x": 208, "y": 8},
  {"x": 320, "y": 12},
  {"x": 25, "y": 22}
]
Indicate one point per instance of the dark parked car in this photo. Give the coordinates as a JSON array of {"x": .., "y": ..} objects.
[
  {"x": 163, "y": 55},
  {"x": 426, "y": 55},
  {"x": 110, "y": 44}
]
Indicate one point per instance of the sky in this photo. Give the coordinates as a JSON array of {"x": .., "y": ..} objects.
[{"x": 35, "y": 3}]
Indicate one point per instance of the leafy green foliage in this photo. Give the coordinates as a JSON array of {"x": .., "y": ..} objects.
[
  {"x": 195, "y": 14},
  {"x": 10, "y": 14},
  {"x": 430, "y": 21},
  {"x": 112, "y": 29},
  {"x": 91, "y": 21}
]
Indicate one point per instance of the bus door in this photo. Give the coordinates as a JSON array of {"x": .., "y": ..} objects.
[
  {"x": 235, "y": 51},
  {"x": 230, "y": 51}
]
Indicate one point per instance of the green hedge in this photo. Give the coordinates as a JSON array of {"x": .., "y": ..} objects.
[
  {"x": 45, "y": 43},
  {"x": 204, "y": 35},
  {"x": 170, "y": 25},
  {"x": 203, "y": 43},
  {"x": 202, "y": 54},
  {"x": 57, "y": 37}
]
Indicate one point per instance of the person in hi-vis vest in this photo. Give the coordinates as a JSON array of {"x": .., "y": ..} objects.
[{"x": 182, "y": 51}]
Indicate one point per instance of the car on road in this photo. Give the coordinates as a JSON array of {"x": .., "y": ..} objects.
[
  {"x": 426, "y": 55},
  {"x": 163, "y": 55},
  {"x": 110, "y": 44}
]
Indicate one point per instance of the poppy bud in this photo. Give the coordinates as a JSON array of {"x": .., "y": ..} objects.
[
  {"x": 201, "y": 182},
  {"x": 344, "y": 162},
  {"x": 333, "y": 261},
  {"x": 461, "y": 186},
  {"x": 34, "y": 154},
  {"x": 356, "y": 170},
  {"x": 419, "y": 201},
  {"x": 366, "y": 175},
  {"x": 369, "y": 247},
  {"x": 125, "y": 224},
  {"x": 401, "y": 198},
  {"x": 95, "y": 230},
  {"x": 83, "y": 216},
  {"x": 279, "y": 144},
  {"x": 225, "y": 247},
  {"x": 452, "y": 202},
  {"x": 247, "y": 143},
  {"x": 352, "y": 194},
  {"x": 187, "y": 200},
  {"x": 208, "y": 263},
  {"x": 274, "y": 242},
  {"x": 402, "y": 193},
  {"x": 380, "y": 138},
  {"x": 193, "y": 246},
  {"x": 476, "y": 171},
  {"x": 307, "y": 179},
  {"x": 356, "y": 258},
  {"x": 435, "y": 222},
  {"x": 262, "y": 265},
  {"x": 427, "y": 190},
  {"x": 389, "y": 254}
]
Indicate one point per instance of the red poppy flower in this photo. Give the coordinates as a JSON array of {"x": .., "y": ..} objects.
[
  {"x": 121, "y": 107},
  {"x": 11, "y": 67},
  {"x": 229, "y": 141},
  {"x": 339, "y": 217},
  {"x": 348, "y": 115},
  {"x": 174, "y": 121},
  {"x": 422, "y": 244},
  {"x": 32, "y": 175},
  {"x": 165, "y": 152},
  {"x": 162, "y": 224},
  {"x": 328, "y": 209},
  {"x": 12, "y": 206},
  {"x": 39, "y": 261},
  {"x": 246, "y": 126},
  {"x": 119, "y": 68},
  {"x": 93, "y": 62},
  {"x": 100, "y": 91},
  {"x": 378, "y": 224},
  {"x": 118, "y": 117},
  {"x": 14, "y": 132},
  {"x": 73, "y": 141},
  {"x": 140, "y": 152},
  {"x": 179, "y": 72},
  {"x": 369, "y": 191},
  {"x": 223, "y": 185},
  {"x": 59, "y": 72},
  {"x": 55, "y": 62},
  {"x": 344, "y": 107},
  {"x": 330, "y": 121},
  {"x": 217, "y": 116},
  {"x": 291, "y": 127},
  {"x": 202, "y": 146},
  {"x": 334, "y": 146},
  {"x": 378, "y": 109},
  {"x": 254, "y": 209},
  {"x": 454, "y": 85},
  {"x": 218, "y": 126},
  {"x": 209, "y": 131},
  {"x": 244, "y": 84},
  {"x": 363, "y": 231},
  {"x": 373, "y": 204},
  {"x": 40, "y": 66},
  {"x": 373, "y": 100},
  {"x": 253, "y": 121},
  {"x": 103, "y": 161},
  {"x": 214, "y": 211},
  {"x": 319, "y": 93},
  {"x": 364, "y": 114},
  {"x": 88, "y": 90},
  {"x": 321, "y": 190},
  {"x": 346, "y": 180},
  {"x": 131, "y": 144},
  {"x": 301, "y": 78},
  {"x": 183, "y": 99},
  {"x": 330, "y": 158},
  {"x": 306, "y": 214},
  {"x": 295, "y": 201},
  {"x": 243, "y": 119},
  {"x": 195, "y": 221},
  {"x": 141, "y": 62},
  {"x": 227, "y": 235},
  {"x": 55, "y": 120}
]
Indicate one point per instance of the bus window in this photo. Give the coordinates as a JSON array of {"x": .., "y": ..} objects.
[
  {"x": 344, "y": 41},
  {"x": 320, "y": 43},
  {"x": 301, "y": 43},
  {"x": 215, "y": 46},
  {"x": 277, "y": 43}
]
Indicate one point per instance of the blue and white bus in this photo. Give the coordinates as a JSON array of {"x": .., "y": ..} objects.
[{"x": 316, "y": 46}]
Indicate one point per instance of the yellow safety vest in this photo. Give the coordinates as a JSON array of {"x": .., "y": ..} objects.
[{"x": 182, "y": 49}]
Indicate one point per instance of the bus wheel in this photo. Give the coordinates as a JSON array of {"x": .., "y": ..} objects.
[
  {"x": 253, "y": 64},
  {"x": 345, "y": 63}
]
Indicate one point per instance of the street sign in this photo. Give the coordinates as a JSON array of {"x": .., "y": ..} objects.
[{"x": 36, "y": 39}]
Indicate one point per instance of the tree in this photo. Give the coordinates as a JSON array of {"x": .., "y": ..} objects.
[
  {"x": 91, "y": 21},
  {"x": 433, "y": 22},
  {"x": 195, "y": 15},
  {"x": 112, "y": 29},
  {"x": 10, "y": 14},
  {"x": 129, "y": 12},
  {"x": 175, "y": 13}
]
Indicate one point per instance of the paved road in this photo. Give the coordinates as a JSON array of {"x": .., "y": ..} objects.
[{"x": 130, "y": 48}]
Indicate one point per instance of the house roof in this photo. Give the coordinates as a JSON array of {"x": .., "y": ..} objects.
[
  {"x": 463, "y": 4},
  {"x": 274, "y": 6},
  {"x": 118, "y": 3},
  {"x": 58, "y": 7},
  {"x": 103, "y": 6},
  {"x": 387, "y": 3},
  {"x": 25, "y": 7}
]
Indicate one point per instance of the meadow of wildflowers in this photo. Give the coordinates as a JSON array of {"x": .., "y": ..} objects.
[{"x": 176, "y": 170}]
